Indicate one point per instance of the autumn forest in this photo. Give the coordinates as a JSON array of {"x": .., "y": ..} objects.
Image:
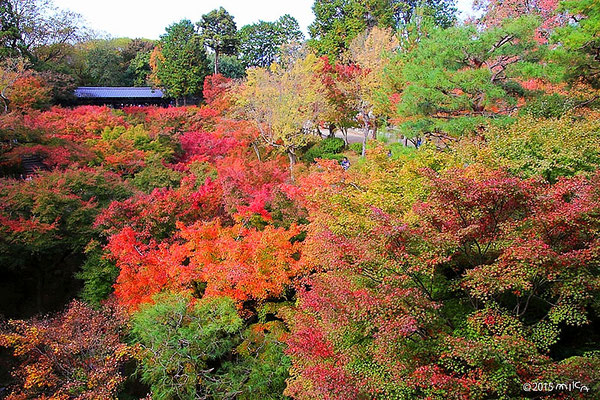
[{"x": 402, "y": 204}]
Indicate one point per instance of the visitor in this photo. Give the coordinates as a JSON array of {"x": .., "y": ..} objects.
[{"x": 345, "y": 163}]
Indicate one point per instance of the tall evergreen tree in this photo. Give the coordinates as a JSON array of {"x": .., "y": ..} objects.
[
  {"x": 457, "y": 77},
  {"x": 260, "y": 42},
  {"x": 179, "y": 62},
  {"x": 219, "y": 33},
  {"x": 10, "y": 37},
  {"x": 443, "y": 12},
  {"x": 580, "y": 41},
  {"x": 337, "y": 22}
]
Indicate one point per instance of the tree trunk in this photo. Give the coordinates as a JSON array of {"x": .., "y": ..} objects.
[
  {"x": 5, "y": 101},
  {"x": 374, "y": 133},
  {"x": 292, "y": 156},
  {"x": 345, "y": 136},
  {"x": 177, "y": 102},
  {"x": 331, "y": 130},
  {"x": 216, "y": 61},
  {"x": 255, "y": 147},
  {"x": 365, "y": 137}
]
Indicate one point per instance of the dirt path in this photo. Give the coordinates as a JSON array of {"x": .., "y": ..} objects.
[{"x": 354, "y": 135}]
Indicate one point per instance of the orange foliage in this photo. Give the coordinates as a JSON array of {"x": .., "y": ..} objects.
[
  {"x": 242, "y": 263},
  {"x": 29, "y": 92},
  {"x": 76, "y": 355},
  {"x": 239, "y": 262}
]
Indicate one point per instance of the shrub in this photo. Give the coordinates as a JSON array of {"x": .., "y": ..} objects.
[
  {"x": 329, "y": 146},
  {"x": 332, "y": 145},
  {"x": 399, "y": 150},
  {"x": 156, "y": 175},
  {"x": 337, "y": 157},
  {"x": 356, "y": 147}
]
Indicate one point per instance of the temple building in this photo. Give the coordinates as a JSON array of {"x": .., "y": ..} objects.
[{"x": 118, "y": 97}]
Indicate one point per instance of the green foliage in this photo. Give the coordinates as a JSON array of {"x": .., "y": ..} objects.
[
  {"x": 98, "y": 274},
  {"x": 548, "y": 147},
  {"x": 464, "y": 73},
  {"x": 181, "y": 63},
  {"x": 156, "y": 175},
  {"x": 139, "y": 69},
  {"x": 326, "y": 148},
  {"x": 200, "y": 348},
  {"x": 332, "y": 145},
  {"x": 545, "y": 334},
  {"x": 162, "y": 146},
  {"x": 330, "y": 156},
  {"x": 338, "y": 22},
  {"x": 400, "y": 150},
  {"x": 219, "y": 33},
  {"x": 260, "y": 42},
  {"x": 182, "y": 341},
  {"x": 10, "y": 37},
  {"x": 549, "y": 106},
  {"x": 580, "y": 41},
  {"x": 356, "y": 147},
  {"x": 113, "y": 62},
  {"x": 202, "y": 171},
  {"x": 261, "y": 368},
  {"x": 441, "y": 12},
  {"x": 229, "y": 66},
  {"x": 103, "y": 66}
]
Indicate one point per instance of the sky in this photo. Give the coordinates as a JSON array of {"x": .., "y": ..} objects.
[{"x": 149, "y": 18}]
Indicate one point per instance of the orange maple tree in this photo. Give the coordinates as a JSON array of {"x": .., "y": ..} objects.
[{"x": 209, "y": 259}]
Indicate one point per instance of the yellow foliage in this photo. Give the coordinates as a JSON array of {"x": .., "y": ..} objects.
[
  {"x": 284, "y": 103},
  {"x": 371, "y": 52}
]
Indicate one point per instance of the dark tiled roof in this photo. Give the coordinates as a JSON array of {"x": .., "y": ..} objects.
[{"x": 118, "y": 92}]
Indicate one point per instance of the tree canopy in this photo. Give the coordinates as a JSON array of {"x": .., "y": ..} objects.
[
  {"x": 39, "y": 31},
  {"x": 260, "y": 43},
  {"x": 219, "y": 33},
  {"x": 406, "y": 207},
  {"x": 179, "y": 62},
  {"x": 338, "y": 22}
]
